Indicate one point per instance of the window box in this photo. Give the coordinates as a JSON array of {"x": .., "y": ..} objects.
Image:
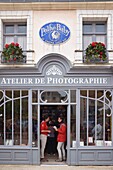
[
  {"x": 95, "y": 60},
  {"x": 96, "y": 53},
  {"x": 13, "y": 59},
  {"x": 12, "y": 53}
]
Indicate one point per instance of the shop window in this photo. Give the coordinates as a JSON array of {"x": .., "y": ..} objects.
[
  {"x": 95, "y": 118},
  {"x": 14, "y": 117},
  {"x": 73, "y": 126},
  {"x": 34, "y": 126},
  {"x": 94, "y": 32},
  {"x": 15, "y": 32},
  {"x": 73, "y": 118}
]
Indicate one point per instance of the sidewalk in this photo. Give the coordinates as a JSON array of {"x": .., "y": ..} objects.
[{"x": 53, "y": 167}]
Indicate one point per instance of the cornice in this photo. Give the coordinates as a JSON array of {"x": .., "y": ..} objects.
[{"x": 56, "y": 6}]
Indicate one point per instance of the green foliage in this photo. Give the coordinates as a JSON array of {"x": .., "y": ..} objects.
[
  {"x": 12, "y": 52},
  {"x": 96, "y": 51}
]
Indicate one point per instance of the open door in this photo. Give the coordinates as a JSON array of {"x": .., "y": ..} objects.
[{"x": 51, "y": 151}]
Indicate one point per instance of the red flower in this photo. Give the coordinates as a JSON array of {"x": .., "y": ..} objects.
[
  {"x": 13, "y": 43},
  {"x": 93, "y": 44},
  {"x": 101, "y": 53},
  {"x": 14, "y": 59},
  {"x": 103, "y": 44},
  {"x": 12, "y": 52},
  {"x": 17, "y": 45},
  {"x": 7, "y": 45},
  {"x": 100, "y": 56}
]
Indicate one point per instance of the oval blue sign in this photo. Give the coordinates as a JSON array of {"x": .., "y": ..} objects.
[{"x": 54, "y": 33}]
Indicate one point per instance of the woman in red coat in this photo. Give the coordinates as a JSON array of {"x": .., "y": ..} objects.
[{"x": 61, "y": 139}]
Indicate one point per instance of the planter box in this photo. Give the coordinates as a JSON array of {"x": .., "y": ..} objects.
[
  {"x": 95, "y": 60},
  {"x": 19, "y": 60}
]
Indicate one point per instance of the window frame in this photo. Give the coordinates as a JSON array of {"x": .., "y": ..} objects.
[
  {"x": 94, "y": 33},
  {"x": 15, "y": 35}
]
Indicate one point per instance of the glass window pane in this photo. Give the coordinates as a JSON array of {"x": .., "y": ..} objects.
[
  {"x": 17, "y": 117},
  {"x": 96, "y": 123},
  {"x": 1, "y": 124},
  {"x": 8, "y": 39},
  {"x": 24, "y": 93},
  {"x": 25, "y": 121},
  {"x": 34, "y": 96},
  {"x": 91, "y": 116},
  {"x": 101, "y": 38},
  {"x": 22, "y": 28},
  {"x": 22, "y": 40},
  {"x": 87, "y": 40},
  {"x": 83, "y": 121},
  {"x": 100, "y": 28},
  {"x": 8, "y": 111},
  {"x": 87, "y": 28},
  {"x": 9, "y": 29},
  {"x": 73, "y": 126},
  {"x": 35, "y": 126},
  {"x": 73, "y": 95}
]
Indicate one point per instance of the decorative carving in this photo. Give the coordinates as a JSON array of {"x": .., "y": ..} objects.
[{"x": 54, "y": 71}]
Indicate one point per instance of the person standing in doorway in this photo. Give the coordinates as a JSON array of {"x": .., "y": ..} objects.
[
  {"x": 51, "y": 142},
  {"x": 44, "y": 132},
  {"x": 61, "y": 139}
]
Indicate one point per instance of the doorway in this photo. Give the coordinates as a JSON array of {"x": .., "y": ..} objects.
[{"x": 54, "y": 111}]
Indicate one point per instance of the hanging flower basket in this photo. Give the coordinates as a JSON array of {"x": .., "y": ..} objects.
[
  {"x": 12, "y": 53},
  {"x": 96, "y": 53}
]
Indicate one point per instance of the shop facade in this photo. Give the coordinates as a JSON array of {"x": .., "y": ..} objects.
[
  {"x": 86, "y": 96},
  {"x": 54, "y": 76}
]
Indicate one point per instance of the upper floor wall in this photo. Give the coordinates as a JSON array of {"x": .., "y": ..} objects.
[{"x": 72, "y": 18}]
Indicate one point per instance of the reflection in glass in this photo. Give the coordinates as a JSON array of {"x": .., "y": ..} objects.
[
  {"x": 34, "y": 96},
  {"x": 100, "y": 28},
  {"x": 8, "y": 129},
  {"x": 34, "y": 126},
  {"x": 22, "y": 29},
  {"x": 25, "y": 121},
  {"x": 83, "y": 121},
  {"x": 73, "y": 126},
  {"x": 1, "y": 124},
  {"x": 96, "y": 117},
  {"x": 17, "y": 117},
  {"x": 9, "y": 29},
  {"x": 14, "y": 117},
  {"x": 73, "y": 95}
]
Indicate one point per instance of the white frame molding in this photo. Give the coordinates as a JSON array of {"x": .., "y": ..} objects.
[
  {"x": 18, "y": 16},
  {"x": 94, "y": 15}
]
